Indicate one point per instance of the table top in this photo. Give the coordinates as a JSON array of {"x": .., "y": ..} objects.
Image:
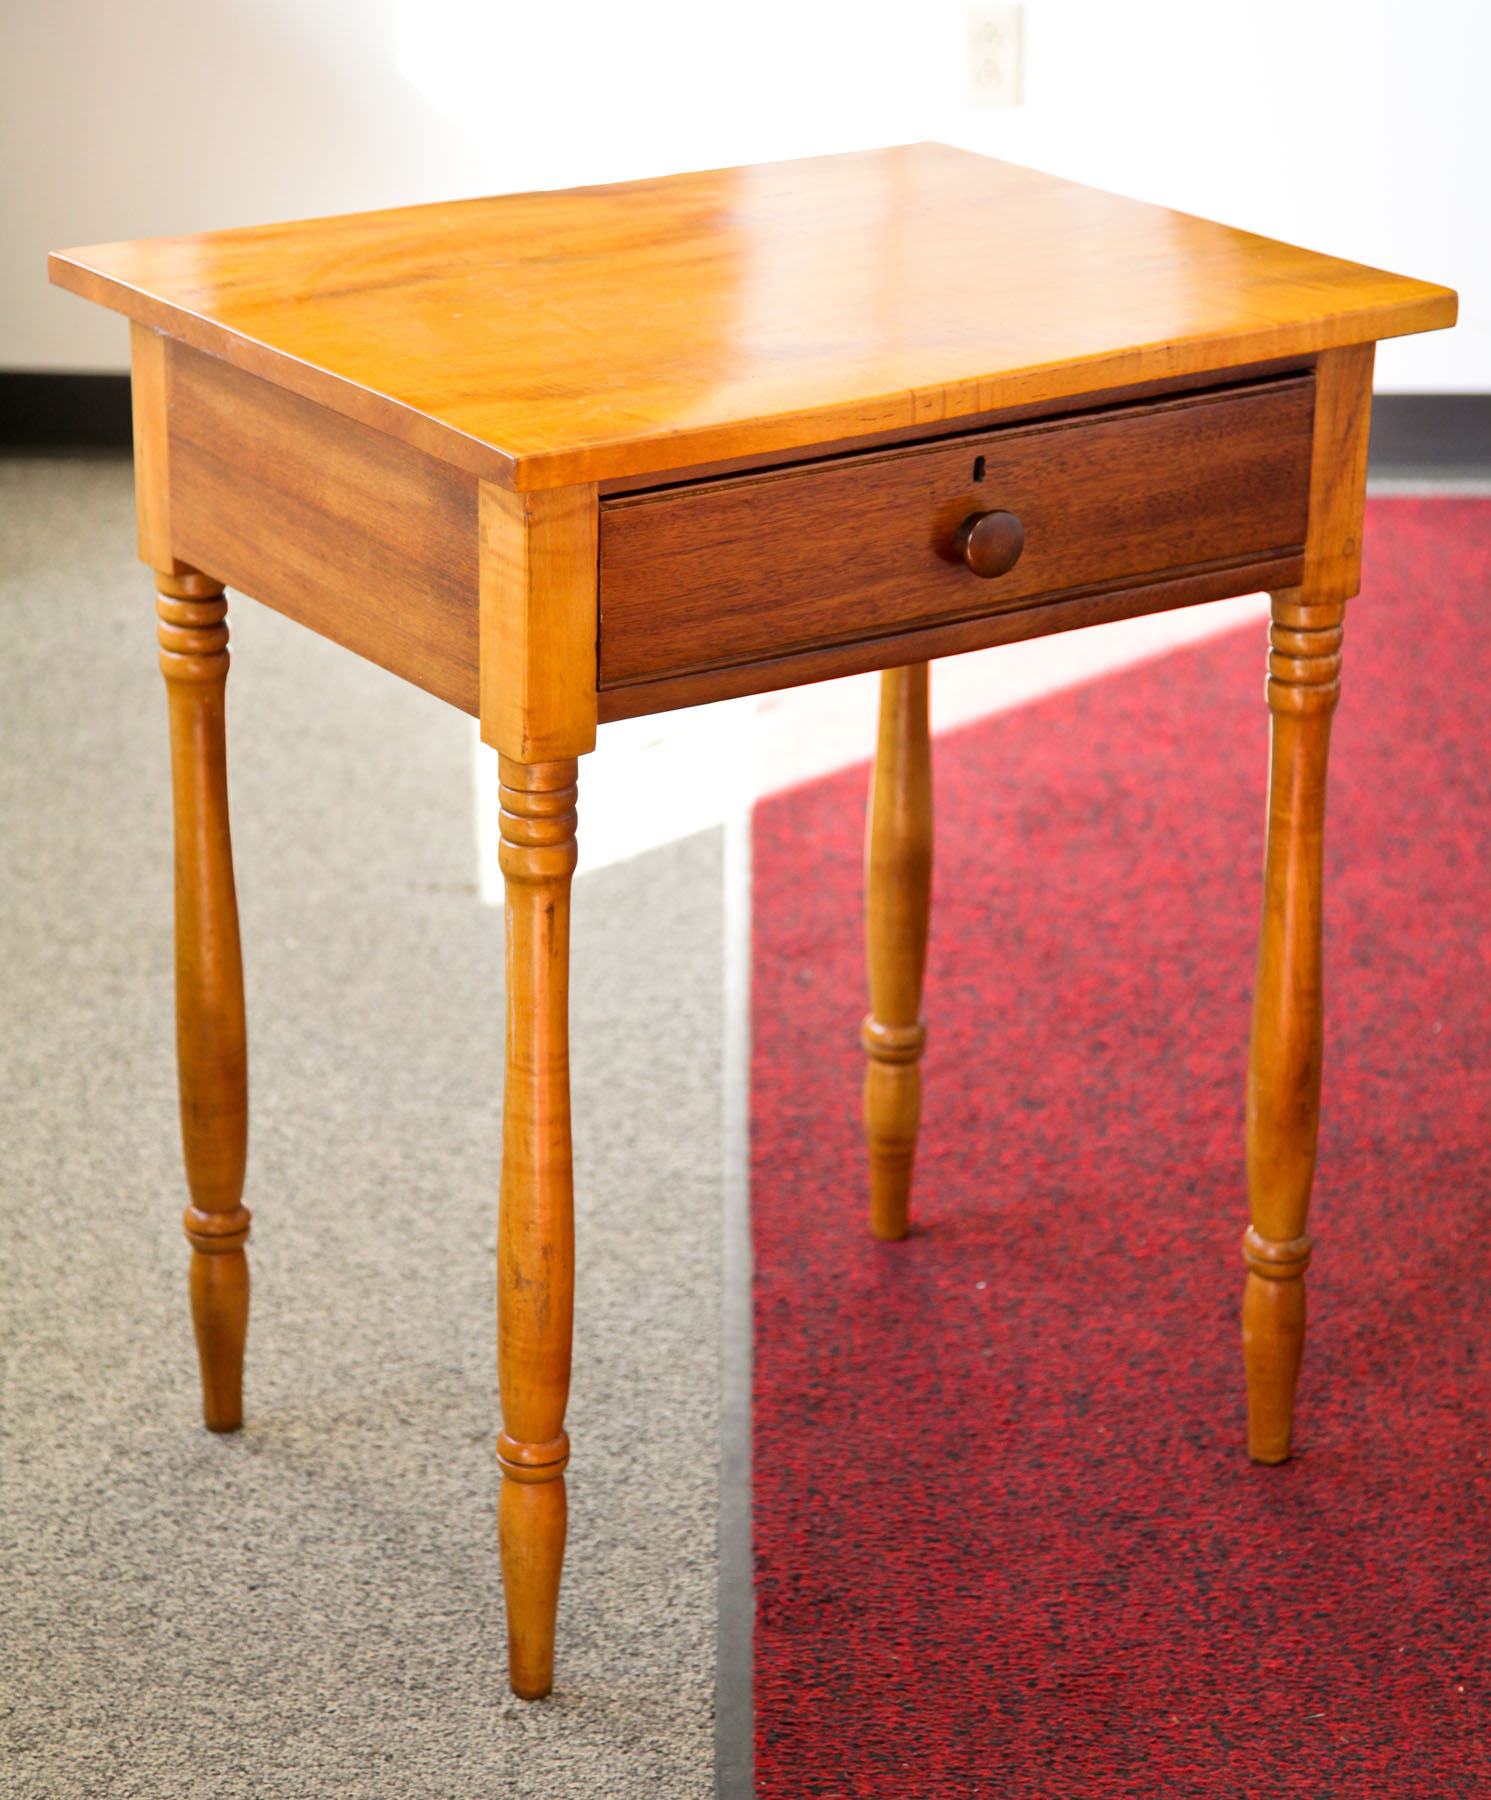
[{"x": 545, "y": 339}]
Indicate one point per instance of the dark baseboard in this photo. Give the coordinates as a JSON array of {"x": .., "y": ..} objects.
[
  {"x": 1414, "y": 436},
  {"x": 1418, "y": 437},
  {"x": 40, "y": 411}
]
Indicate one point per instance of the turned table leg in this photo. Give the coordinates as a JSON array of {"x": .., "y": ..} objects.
[
  {"x": 898, "y": 896},
  {"x": 1304, "y": 668},
  {"x": 212, "y": 1061},
  {"x": 536, "y": 1232}
]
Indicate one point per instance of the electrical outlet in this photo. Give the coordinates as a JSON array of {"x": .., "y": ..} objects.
[{"x": 992, "y": 55}]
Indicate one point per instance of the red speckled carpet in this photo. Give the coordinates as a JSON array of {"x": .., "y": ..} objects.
[{"x": 1007, "y": 1539}]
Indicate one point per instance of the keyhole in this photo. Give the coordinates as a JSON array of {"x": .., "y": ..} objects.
[{"x": 978, "y": 468}]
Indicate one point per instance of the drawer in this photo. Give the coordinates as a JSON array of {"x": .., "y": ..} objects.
[{"x": 750, "y": 568}]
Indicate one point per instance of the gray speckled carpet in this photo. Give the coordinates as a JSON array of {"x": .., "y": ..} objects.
[{"x": 312, "y": 1607}]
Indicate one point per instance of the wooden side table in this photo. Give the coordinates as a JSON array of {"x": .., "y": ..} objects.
[{"x": 562, "y": 458}]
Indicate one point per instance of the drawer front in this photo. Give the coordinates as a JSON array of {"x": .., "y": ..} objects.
[{"x": 753, "y": 567}]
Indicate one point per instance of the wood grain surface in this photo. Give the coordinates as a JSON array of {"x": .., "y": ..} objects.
[
  {"x": 1286, "y": 1050},
  {"x": 898, "y": 908},
  {"x": 536, "y": 1220},
  {"x": 211, "y": 1040},
  {"x": 1338, "y": 473},
  {"x": 1057, "y": 406},
  {"x": 1286, "y": 1054},
  {"x": 396, "y": 427},
  {"x": 149, "y": 418},
  {"x": 547, "y": 339},
  {"x": 897, "y": 648},
  {"x": 749, "y": 567},
  {"x": 538, "y": 622},
  {"x": 347, "y": 530}
]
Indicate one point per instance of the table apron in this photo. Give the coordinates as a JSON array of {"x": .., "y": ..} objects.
[{"x": 354, "y": 533}]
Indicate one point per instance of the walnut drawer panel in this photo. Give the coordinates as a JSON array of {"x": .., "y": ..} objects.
[{"x": 749, "y": 567}]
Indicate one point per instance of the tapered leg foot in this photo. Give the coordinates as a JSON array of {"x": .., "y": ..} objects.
[
  {"x": 531, "y": 1522},
  {"x": 211, "y": 1048},
  {"x": 898, "y": 897},
  {"x": 1284, "y": 1059},
  {"x": 893, "y": 1109},
  {"x": 535, "y": 1236},
  {"x": 219, "y": 1287},
  {"x": 1273, "y": 1330}
]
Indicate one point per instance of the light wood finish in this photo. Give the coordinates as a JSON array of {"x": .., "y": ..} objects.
[
  {"x": 985, "y": 419},
  {"x": 149, "y": 406},
  {"x": 536, "y": 1232},
  {"x": 212, "y": 1057},
  {"x": 732, "y": 571},
  {"x": 561, "y": 458},
  {"x": 544, "y": 340},
  {"x": 898, "y": 900},
  {"x": 1284, "y": 1060},
  {"x": 538, "y": 622},
  {"x": 1338, "y": 473},
  {"x": 1284, "y": 1063}
]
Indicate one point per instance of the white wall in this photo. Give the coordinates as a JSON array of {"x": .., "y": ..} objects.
[{"x": 1305, "y": 119}]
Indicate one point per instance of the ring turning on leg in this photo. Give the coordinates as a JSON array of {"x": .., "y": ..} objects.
[
  {"x": 1304, "y": 669},
  {"x": 536, "y": 1236},
  {"x": 898, "y": 896},
  {"x": 211, "y": 1054}
]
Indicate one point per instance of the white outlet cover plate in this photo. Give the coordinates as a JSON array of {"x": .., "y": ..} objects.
[{"x": 992, "y": 54}]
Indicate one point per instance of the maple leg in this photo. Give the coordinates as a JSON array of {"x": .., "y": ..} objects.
[
  {"x": 535, "y": 1249},
  {"x": 211, "y": 1051},
  {"x": 1285, "y": 1055},
  {"x": 898, "y": 896}
]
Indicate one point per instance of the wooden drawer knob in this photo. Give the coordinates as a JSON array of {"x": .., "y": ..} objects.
[{"x": 990, "y": 543}]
